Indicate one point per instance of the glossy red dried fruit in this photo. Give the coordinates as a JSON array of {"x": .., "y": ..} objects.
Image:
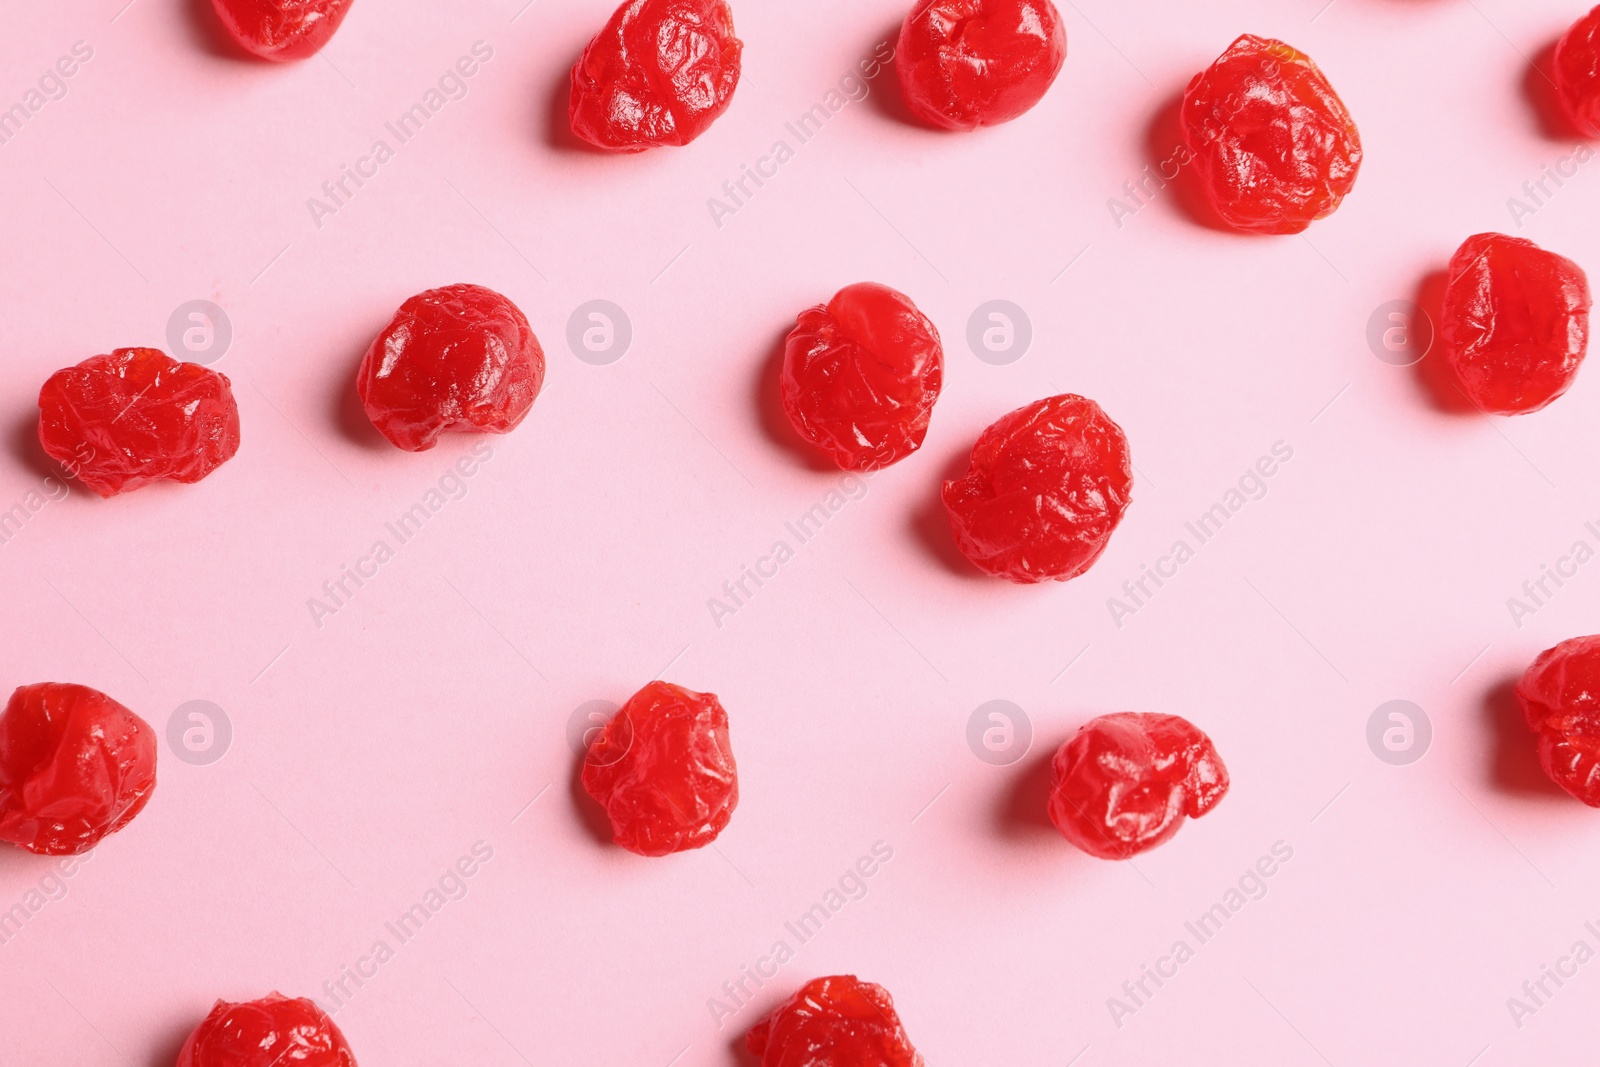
[
  {"x": 458, "y": 358},
  {"x": 1046, "y": 488},
  {"x": 1576, "y": 66},
  {"x": 282, "y": 29},
  {"x": 1515, "y": 323},
  {"x": 861, "y": 375},
  {"x": 1271, "y": 141},
  {"x": 664, "y": 771},
  {"x": 1126, "y": 782},
  {"x": 275, "y": 1031},
  {"x": 659, "y": 73},
  {"x": 138, "y": 416},
  {"x": 74, "y": 766},
  {"x": 838, "y": 1021},
  {"x": 1560, "y": 698},
  {"x": 970, "y": 63}
]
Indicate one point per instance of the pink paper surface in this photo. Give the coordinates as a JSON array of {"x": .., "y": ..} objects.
[{"x": 377, "y": 745}]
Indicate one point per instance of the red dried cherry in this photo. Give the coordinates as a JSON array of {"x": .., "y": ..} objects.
[
  {"x": 1126, "y": 782},
  {"x": 659, "y": 73},
  {"x": 664, "y": 771},
  {"x": 458, "y": 358},
  {"x": 1272, "y": 142},
  {"x": 1046, "y": 488},
  {"x": 838, "y": 1021},
  {"x": 274, "y": 1031},
  {"x": 74, "y": 766},
  {"x": 1560, "y": 698},
  {"x": 970, "y": 63},
  {"x": 282, "y": 29},
  {"x": 1515, "y": 323},
  {"x": 861, "y": 375},
  {"x": 138, "y": 416},
  {"x": 1576, "y": 66}
]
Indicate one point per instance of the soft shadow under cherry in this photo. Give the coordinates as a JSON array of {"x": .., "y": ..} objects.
[{"x": 1514, "y": 751}]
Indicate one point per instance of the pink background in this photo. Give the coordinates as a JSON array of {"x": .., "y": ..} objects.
[{"x": 372, "y": 753}]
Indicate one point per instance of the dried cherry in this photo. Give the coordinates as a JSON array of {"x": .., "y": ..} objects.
[
  {"x": 1273, "y": 144},
  {"x": 275, "y": 1031},
  {"x": 970, "y": 63},
  {"x": 839, "y": 1021},
  {"x": 1515, "y": 323},
  {"x": 136, "y": 416},
  {"x": 1126, "y": 782},
  {"x": 1046, "y": 487},
  {"x": 861, "y": 375},
  {"x": 659, "y": 73},
  {"x": 458, "y": 358},
  {"x": 282, "y": 29},
  {"x": 1560, "y": 698},
  {"x": 663, "y": 770},
  {"x": 74, "y": 766},
  {"x": 1576, "y": 67}
]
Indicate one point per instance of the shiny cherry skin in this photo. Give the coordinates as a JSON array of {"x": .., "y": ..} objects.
[
  {"x": 663, "y": 770},
  {"x": 75, "y": 766},
  {"x": 659, "y": 73},
  {"x": 970, "y": 63},
  {"x": 275, "y": 1031},
  {"x": 838, "y": 1021},
  {"x": 861, "y": 375},
  {"x": 1576, "y": 72},
  {"x": 282, "y": 30},
  {"x": 1515, "y": 323},
  {"x": 1274, "y": 146},
  {"x": 1560, "y": 699},
  {"x": 1126, "y": 782}
]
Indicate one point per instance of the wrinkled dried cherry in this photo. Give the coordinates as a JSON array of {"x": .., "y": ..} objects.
[
  {"x": 659, "y": 73},
  {"x": 1126, "y": 782},
  {"x": 75, "y": 765},
  {"x": 282, "y": 29},
  {"x": 1515, "y": 323},
  {"x": 458, "y": 358},
  {"x": 1046, "y": 487},
  {"x": 1560, "y": 698},
  {"x": 1576, "y": 69},
  {"x": 839, "y": 1021},
  {"x": 136, "y": 416},
  {"x": 663, "y": 770},
  {"x": 1273, "y": 144},
  {"x": 861, "y": 375},
  {"x": 970, "y": 63},
  {"x": 275, "y": 1031}
]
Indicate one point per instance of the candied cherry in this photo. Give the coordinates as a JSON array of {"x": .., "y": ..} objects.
[
  {"x": 1515, "y": 323},
  {"x": 663, "y": 770},
  {"x": 1046, "y": 487},
  {"x": 861, "y": 374},
  {"x": 970, "y": 63},
  {"x": 282, "y": 30},
  {"x": 839, "y": 1021},
  {"x": 659, "y": 73},
  {"x": 275, "y": 1031},
  {"x": 1272, "y": 142},
  {"x": 1576, "y": 65},
  {"x": 137, "y": 416},
  {"x": 458, "y": 358},
  {"x": 1560, "y": 698},
  {"x": 1126, "y": 782},
  {"x": 74, "y": 766}
]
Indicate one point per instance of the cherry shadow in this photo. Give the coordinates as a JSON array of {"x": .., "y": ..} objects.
[
  {"x": 207, "y": 31},
  {"x": 350, "y": 418},
  {"x": 170, "y": 1044},
  {"x": 558, "y": 121},
  {"x": 1435, "y": 377},
  {"x": 885, "y": 97},
  {"x": 739, "y": 1054},
  {"x": 1514, "y": 754},
  {"x": 1539, "y": 89},
  {"x": 930, "y": 522},
  {"x": 1022, "y": 811},
  {"x": 1172, "y": 169},
  {"x": 29, "y": 453},
  {"x": 774, "y": 421},
  {"x": 591, "y": 816}
]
